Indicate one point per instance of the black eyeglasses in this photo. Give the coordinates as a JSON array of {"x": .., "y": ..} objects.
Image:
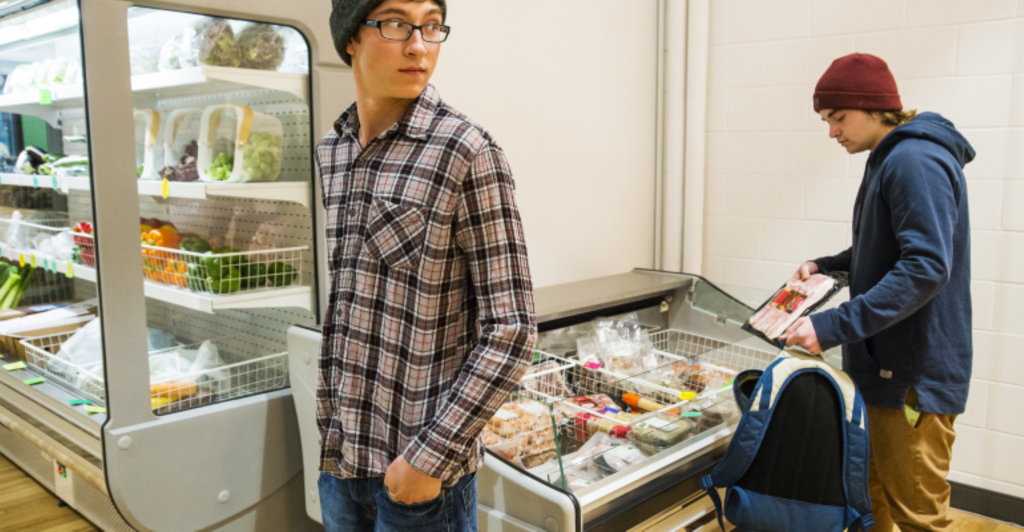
[{"x": 396, "y": 30}]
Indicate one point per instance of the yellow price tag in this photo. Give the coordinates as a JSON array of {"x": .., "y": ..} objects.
[
  {"x": 71, "y": 271},
  {"x": 33, "y": 260},
  {"x": 89, "y": 409},
  {"x": 686, "y": 396},
  {"x": 165, "y": 188},
  {"x": 21, "y": 260}
]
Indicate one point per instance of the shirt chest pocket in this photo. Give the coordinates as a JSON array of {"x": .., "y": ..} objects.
[{"x": 395, "y": 234}]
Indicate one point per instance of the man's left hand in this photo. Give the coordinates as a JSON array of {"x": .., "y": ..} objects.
[
  {"x": 409, "y": 485},
  {"x": 802, "y": 334}
]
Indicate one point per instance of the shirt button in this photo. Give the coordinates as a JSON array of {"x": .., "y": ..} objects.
[{"x": 352, "y": 213}]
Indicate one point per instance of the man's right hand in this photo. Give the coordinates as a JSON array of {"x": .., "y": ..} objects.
[{"x": 806, "y": 270}]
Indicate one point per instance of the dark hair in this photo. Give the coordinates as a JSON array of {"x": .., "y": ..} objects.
[{"x": 894, "y": 118}]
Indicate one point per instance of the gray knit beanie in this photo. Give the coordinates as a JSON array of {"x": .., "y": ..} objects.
[{"x": 348, "y": 15}]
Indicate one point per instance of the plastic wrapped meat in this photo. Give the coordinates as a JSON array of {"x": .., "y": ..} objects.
[{"x": 789, "y": 303}]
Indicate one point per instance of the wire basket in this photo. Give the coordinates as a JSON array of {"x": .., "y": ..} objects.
[
  {"x": 167, "y": 395},
  {"x": 41, "y": 354},
  {"x": 225, "y": 273},
  {"x": 601, "y": 421}
]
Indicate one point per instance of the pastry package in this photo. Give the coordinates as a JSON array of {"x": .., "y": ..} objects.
[
  {"x": 797, "y": 298},
  {"x": 662, "y": 431}
]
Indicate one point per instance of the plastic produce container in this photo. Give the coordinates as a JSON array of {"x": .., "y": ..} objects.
[
  {"x": 237, "y": 144},
  {"x": 148, "y": 159},
  {"x": 181, "y": 139}
]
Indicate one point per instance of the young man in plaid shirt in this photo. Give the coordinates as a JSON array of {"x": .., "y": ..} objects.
[{"x": 430, "y": 321}]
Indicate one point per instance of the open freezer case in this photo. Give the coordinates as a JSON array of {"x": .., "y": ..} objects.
[
  {"x": 614, "y": 436},
  {"x": 158, "y": 237}
]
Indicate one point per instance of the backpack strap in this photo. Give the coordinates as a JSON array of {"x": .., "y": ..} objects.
[
  {"x": 860, "y": 523},
  {"x": 708, "y": 485}
]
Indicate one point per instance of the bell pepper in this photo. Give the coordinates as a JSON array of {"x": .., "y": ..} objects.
[
  {"x": 162, "y": 238},
  {"x": 195, "y": 244},
  {"x": 235, "y": 260},
  {"x": 254, "y": 275},
  {"x": 175, "y": 273},
  {"x": 281, "y": 274},
  {"x": 195, "y": 278},
  {"x": 86, "y": 229},
  {"x": 230, "y": 282}
]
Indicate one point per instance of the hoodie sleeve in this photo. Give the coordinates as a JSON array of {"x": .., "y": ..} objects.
[
  {"x": 835, "y": 263},
  {"x": 924, "y": 209}
]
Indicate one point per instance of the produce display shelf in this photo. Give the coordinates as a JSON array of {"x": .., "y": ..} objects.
[
  {"x": 293, "y": 191},
  {"x": 168, "y": 84},
  {"x": 293, "y": 296},
  {"x": 77, "y": 270}
]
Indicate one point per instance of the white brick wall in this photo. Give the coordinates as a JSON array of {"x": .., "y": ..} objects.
[{"x": 773, "y": 173}]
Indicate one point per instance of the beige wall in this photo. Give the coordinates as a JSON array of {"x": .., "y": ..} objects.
[
  {"x": 568, "y": 89},
  {"x": 779, "y": 191}
]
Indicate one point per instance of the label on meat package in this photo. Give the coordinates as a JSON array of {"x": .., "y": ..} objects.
[
  {"x": 627, "y": 453},
  {"x": 657, "y": 423},
  {"x": 535, "y": 409},
  {"x": 506, "y": 415}
]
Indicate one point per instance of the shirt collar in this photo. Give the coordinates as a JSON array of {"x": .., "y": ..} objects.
[{"x": 415, "y": 124}]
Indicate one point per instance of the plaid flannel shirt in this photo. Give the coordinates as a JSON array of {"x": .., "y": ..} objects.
[{"x": 430, "y": 321}]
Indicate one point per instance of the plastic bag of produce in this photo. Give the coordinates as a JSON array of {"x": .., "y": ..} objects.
[
  {"x": 212, "y": 42},
  {"x": 145, "y": 59},
  {"x": 20, "y": 78},
  {"x": 181, "y": 145},
  {"x": 147, "y": 137},
  {"x": 173, "y": 54},
  {"x": 237, "y": 144},
  {"x": 296, "y": 52},
  {"x": 261, "y": 46}
]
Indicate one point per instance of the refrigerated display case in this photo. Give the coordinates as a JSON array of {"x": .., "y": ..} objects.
[
  {"x": 162, "y": 234},
  {"x": 611, "y": 442}
]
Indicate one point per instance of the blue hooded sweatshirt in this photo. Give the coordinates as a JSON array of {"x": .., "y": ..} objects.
[{"x": 908, "y": 321}]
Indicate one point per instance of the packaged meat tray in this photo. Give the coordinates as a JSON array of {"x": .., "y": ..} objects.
[{"x": 797, "y": 298}]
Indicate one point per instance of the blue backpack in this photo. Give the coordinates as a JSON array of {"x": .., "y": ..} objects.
[{"x": 799, "y": 458}]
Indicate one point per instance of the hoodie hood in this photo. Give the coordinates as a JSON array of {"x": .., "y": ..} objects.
[{"x": 933, "y": 128}]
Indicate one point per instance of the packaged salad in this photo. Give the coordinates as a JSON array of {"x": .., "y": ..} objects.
[
  {"x": 181, "y": 145},
  {"x": 148, "y": 158},
  {"x": 261, "y": 46},
  {"x": 237, "y": 144}
]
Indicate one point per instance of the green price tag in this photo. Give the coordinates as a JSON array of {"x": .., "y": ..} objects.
[
  {"x": 691, "y": 414},
  {"x": 14, "y": 366},
  {"x": 76, "y": 402},
  {"x": 35, "y": 181},
  {"x": 33, "y": 382},
  {"x": 45, "y": 98},
  {"x": 55, "y": 187}
]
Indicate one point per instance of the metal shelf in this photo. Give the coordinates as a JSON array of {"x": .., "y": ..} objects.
[
  {"x": 293, "y": 191},
  {"x": 168, "y": 84}
]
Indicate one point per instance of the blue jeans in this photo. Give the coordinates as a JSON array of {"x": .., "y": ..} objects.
[{"x": 363, "y": 504}]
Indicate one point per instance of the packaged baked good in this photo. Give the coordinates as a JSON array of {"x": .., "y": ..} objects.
[
  {"x": 509, "y": 449},
  {"x": 511, "y": 420}
]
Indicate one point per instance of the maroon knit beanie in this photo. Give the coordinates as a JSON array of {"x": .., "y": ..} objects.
[{"x": 857, "y": 81}]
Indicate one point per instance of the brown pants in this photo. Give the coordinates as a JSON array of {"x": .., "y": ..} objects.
[{"x": 907, "y": 473}]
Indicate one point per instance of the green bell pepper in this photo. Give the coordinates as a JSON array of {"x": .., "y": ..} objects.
[
  {"x": 234, "y": 261},
  {"x": 230, "y": 282},
  {"x": 254, "y": 275},
  {"x": 195, "y": 277},
  {"x": 281, "y": 274},
  {"x": 195, "y": 245}
]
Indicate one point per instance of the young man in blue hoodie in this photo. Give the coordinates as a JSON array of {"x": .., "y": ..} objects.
[{"x": 906, "y": 331}]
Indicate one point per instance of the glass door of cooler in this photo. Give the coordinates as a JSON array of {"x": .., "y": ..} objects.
[
  {"x": 207, "y": 231},
  {"x": 50, "y": 337}
]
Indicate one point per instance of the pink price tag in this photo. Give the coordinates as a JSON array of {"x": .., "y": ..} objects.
[{"x": 592, "y": 365}]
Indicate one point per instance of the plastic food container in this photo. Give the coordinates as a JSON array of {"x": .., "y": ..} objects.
[
  {"x": 181, "y": 138},
  {"x": 661, "y": 432},
  {"x": 237, "y": 145},
  {"x": 148, "y": 159}
]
